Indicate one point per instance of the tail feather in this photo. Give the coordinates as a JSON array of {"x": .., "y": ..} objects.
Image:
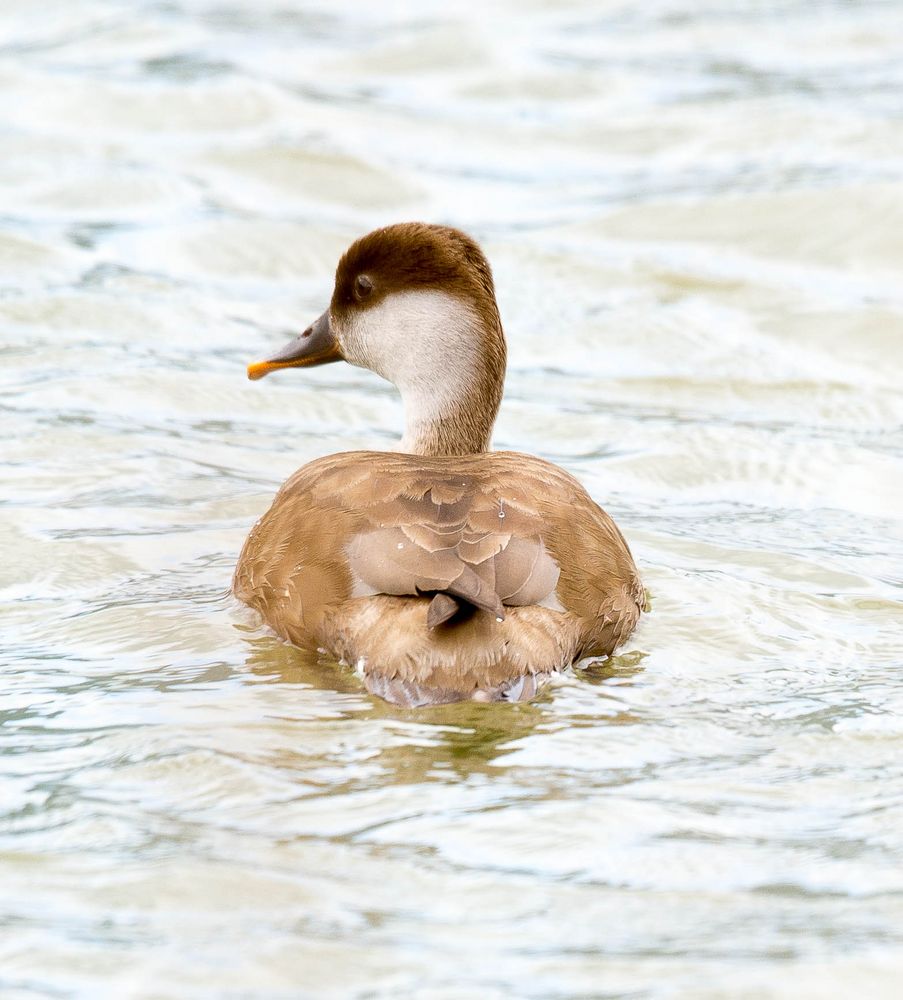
[
  {"x": 473, "y": 589},
  {"x": 477, "y": 657},
  {"x": 442, "y": 607}
]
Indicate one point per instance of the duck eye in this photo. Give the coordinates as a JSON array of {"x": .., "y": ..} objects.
[{"x": 363, "y": 286}]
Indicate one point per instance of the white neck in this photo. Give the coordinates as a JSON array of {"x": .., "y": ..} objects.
[{"x": 428, "y": 344}]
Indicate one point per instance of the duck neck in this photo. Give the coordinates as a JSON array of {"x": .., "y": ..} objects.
[
  {"x": 454, "y": 415},
  {"x": 456, "y": 432},
  {"x": 451, "y": 382}
]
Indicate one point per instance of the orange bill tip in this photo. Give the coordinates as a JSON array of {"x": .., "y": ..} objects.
[
  {"x": 258, "y": 369},
  {"x": 316, "y": 346}
]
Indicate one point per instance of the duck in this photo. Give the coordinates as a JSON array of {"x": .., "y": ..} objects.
[{"x": 442, "y": 571}]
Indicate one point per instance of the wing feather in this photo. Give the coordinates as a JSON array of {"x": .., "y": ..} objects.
[{"x": 493, "y": 529}]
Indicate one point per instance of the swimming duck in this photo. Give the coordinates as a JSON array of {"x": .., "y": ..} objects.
[{"x": 443, "y": 571}]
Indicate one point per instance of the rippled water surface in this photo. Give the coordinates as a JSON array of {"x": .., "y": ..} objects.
[{"x": 695, "y": 215}]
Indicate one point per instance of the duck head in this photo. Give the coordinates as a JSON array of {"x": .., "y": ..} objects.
[{"x": 415, "y": 303}]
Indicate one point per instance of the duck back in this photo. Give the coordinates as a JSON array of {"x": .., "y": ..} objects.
[{"x": 441, "y": 578}]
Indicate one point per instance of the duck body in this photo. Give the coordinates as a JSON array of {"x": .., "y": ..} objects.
[
  {"x": 445, "y": 571},
  {"x": 356, "y": 547}
]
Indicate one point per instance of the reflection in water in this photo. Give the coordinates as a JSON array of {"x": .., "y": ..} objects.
[
  {"x": 463, "y": 739},
  {"x": 693, "y": 212}
]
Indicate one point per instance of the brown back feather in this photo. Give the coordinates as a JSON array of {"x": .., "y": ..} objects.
[{"x": 372, "y": 523}]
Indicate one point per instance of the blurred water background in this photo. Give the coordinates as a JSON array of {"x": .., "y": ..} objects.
[{"x": 695, "y": 214}]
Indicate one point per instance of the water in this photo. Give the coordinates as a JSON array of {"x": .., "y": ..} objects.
[{"x": 694, "y": 211}]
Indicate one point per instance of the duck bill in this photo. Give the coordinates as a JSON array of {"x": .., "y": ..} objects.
[{"x": 316, "y": 346}]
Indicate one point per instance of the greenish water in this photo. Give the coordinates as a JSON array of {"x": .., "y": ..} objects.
[{"x": 694, "y": 212}]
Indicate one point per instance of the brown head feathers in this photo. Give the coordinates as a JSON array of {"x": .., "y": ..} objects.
[
  {"x": 413, "y": 256},
  {"x": 416, "y": 304}
]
